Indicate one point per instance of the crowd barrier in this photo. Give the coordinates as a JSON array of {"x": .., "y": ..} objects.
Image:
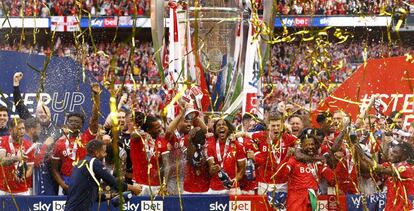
[{"x": 194, "y": 203}]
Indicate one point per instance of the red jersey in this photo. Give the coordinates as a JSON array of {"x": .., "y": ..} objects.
[
  {"x": 248, "y": 145},
  {"x": 345, "y": 172},
  {"x": 226, "y": 155},
  {"x": 196, "y": 179},
  {"x": 146, "y": 157},
  {"x": 70, "y": 151},
  {"x": 271, "y": 155},
  {"x": 301, "y": 177},
  {"x": 13, "y": 149},
  {"x": 400, "y": 188},
  {"x": 327, "y": 143},
  {"x": 177, "y": 154}
]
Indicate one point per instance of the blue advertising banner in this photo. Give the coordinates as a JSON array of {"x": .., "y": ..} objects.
[
  {"x": 93, "y": 22},
  {"x": 375, "y": 202},
  {"x": 171, "y": 203},
  {"x": 360, "y": 203},
  {"x": 65, "y": 89},
  {"x": 339, "y": 21},
  {"x": 117, "y": 21}
]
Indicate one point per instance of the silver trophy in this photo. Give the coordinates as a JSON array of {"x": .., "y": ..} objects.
[
  {"x": 215, "y": 23},
  {"x": 210, "y": 37}
]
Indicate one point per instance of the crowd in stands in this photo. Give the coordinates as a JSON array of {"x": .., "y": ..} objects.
[
  {"x": 290, "y": 77},
  {"x": 217, "y": 155},
  {"x": 45, "y": 8},
  {"x": 340, "y": 7},
  {"x": 98, "y": 61},
  {"x": 293, "y": 68}
]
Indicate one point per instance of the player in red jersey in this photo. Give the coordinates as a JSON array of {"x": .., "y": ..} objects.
[
  {"x": 70, "y": 149},
  {"x": 249, "y": 187},
  {"x": 17, "y": 155},
  {"x": 226, "y": 159},
  {"x": 273, "y": 147},
  {"x": 344, "y": 164},
  {"x": 149, "y": 154},
  {"x": 177, "y": 135},
  {"x": 196, "y": 177},
  {"x": 303, "y": 178},
  {"x": 399, "y": 172}
]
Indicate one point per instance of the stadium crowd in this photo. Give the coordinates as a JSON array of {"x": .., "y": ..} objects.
[
  {"x": 286, "y": 76},
  {"x": 46, "y": 8},
  {"x": 281, "y": 156}
]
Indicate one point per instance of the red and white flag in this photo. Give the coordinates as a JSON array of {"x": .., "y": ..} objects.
[{"x": 64, "y": 23}]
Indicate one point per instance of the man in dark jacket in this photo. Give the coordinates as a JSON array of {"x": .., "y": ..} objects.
[
  {"x": 84, "y": 189},
  {"x": 43, "y": 184},
  {"x": 43, "y": 115}
]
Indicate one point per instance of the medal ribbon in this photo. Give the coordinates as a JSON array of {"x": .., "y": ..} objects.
[
  {"x": 221, "y": 160},
  {"x": 72, "y": 154}
]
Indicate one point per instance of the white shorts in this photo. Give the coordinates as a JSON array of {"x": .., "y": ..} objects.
[
  {"x": 149, "y": 190},
  {"x": 263, "y": 188},
  {"x": 190, "y": 193},
  {"x": 233, "y": 191},
  {"x": 26, "y": 193},
  {"x": 173, "y": 187}
]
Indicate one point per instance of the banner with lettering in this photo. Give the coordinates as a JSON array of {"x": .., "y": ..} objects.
[
  {"x": 375, "y": 202},
  {"x": 391, "y": 78},
  {"x": 66, "y": 86},
  {"x": 361, "y": 203}
]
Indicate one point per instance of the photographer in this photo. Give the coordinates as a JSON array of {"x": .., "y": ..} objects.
[{"x": 85, "y": 187}]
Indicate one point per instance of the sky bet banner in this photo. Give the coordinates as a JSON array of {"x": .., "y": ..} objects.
[
  {"x": 113, "y": 22},
  {"x": 194, "y": 203},
  {"x": 64, "y": 90},
  {"x": 322, "y": 21}
]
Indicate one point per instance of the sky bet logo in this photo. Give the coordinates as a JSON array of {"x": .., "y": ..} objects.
[
  {"x": 232, "y": 206},
  {"x": 145, "y": 206}
]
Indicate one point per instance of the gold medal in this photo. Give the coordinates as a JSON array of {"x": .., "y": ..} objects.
[
  {"x": 149, "y": 166},
  {"x": 198, "y": 172}
]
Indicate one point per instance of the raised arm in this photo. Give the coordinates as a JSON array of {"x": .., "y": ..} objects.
[
  {"x": 18, "y": 100},
  {"x": 166, "y": 173},
  {"x": 93, "y": 123},
  {"x": 169, "y": 133}
]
